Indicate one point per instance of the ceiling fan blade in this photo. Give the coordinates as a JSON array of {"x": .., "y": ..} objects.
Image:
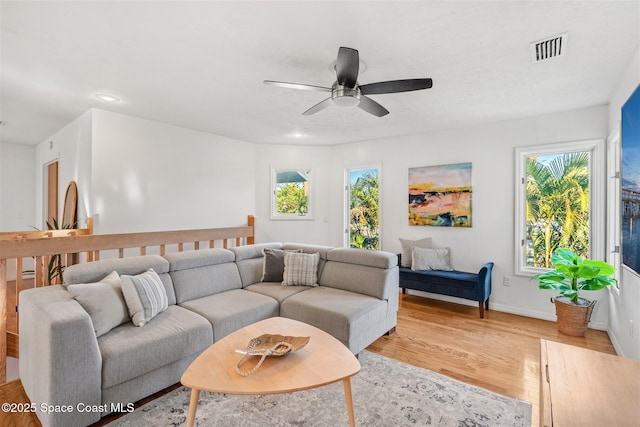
[
  {"x": 318, "y": 107},
  {"x": 347, "y": 66},
  {"x": 371, "y": 106},
  {"x": 394, "y": 86},
  {"x": 297, "y": 86}
]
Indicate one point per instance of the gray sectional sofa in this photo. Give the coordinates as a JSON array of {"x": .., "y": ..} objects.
[{"x": 74, "y": 377}]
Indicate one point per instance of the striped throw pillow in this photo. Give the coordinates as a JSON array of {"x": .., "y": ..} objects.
[
  {"x": 145, "y": 296},
  {"x": 300, "y": 269}
]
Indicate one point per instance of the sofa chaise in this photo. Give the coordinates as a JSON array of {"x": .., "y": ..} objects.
[{"x": 69, "y": 360}]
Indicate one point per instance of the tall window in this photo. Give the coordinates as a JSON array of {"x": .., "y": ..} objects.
[
  {"x": 363, "y": 194},
  {"x": 560, "y": 202}
]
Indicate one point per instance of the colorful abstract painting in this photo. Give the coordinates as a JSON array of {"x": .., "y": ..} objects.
[{"x": 440, "y": 195}]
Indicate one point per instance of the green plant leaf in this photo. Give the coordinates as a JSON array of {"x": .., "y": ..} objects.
[{"x": 597, "y": 283}]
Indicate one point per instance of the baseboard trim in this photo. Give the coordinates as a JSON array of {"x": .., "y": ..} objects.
[
  {"x": 535, "y": 314},
  {"x": 616, "y": 343}
]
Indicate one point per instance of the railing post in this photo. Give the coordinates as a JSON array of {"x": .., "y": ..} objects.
[
  {"x": 3, "y": 321},
  {"x": 251, "y": 222}
]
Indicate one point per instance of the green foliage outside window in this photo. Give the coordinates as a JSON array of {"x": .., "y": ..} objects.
[
  {"x": 292, "y": 198},
  {"x": 364, "y": 212},
  {"x": 557, "y": 206}
]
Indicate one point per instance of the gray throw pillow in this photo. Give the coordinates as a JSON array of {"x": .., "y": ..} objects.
[
  {"x": 431, "y": 259},
  {"x": 103, "y": 301},
  {"x": 145, "y": 295},
  {"x": 273, "y": 264},
  {"x": 407, "y": 245}
]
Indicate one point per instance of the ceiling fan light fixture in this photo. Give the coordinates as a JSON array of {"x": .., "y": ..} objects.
[{"x": 344, "y": 96}]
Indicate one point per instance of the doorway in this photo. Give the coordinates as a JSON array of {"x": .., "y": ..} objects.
[
  {"x": 362, "y": 207},
  {"x": 51, "y": 194}
]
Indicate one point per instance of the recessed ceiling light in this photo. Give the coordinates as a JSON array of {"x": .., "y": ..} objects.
[
  {"x": 298, "y": 135},
  {"x": 106, "y": 97}
]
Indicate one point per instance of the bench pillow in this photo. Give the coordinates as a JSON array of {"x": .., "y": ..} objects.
[
  {"x": 408, "y": 245},
  {"x": 431, "y": 259}
]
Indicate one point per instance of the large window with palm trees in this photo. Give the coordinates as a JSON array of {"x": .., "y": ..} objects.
[
  {"x": 560, "y": 202},
  {"x": 363, "y": 201}
]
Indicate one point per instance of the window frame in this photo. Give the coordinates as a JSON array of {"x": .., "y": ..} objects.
[
  {"x": 310, "y": 191},
  {"x": 597, "y": 190}
]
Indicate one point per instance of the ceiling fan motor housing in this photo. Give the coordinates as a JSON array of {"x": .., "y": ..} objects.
[{"x": 345, "y": 96}]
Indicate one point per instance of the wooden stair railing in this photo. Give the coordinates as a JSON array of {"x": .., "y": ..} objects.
[{"x": 73, "y": 246}]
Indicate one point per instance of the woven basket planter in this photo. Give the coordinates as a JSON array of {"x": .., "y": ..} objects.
[{"x": 573, "y": 318}]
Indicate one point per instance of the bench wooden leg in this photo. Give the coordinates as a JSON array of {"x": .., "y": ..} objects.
[{"x": 482, "y": 307}]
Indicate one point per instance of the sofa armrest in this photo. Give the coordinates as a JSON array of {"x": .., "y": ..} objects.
[
  {"x": 484, "y": 281},
  {"x": 60, "y": 362}
]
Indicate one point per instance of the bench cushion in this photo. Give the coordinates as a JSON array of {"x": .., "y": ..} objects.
[{"x": 453, "y": 283}]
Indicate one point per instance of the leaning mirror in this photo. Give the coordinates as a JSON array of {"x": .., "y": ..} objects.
[
  {"x": 291, "y": 194},
  {"x": 70, "y": 206}
]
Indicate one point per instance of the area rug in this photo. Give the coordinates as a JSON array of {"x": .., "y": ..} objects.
[{"x": 386, "y": 392}]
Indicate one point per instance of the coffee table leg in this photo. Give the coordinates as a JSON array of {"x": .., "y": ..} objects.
[
  {"x": 349, "y": 399},
  {"x": 193, "y": 405}
]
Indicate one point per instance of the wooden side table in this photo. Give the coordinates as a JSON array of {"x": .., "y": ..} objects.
[{"x": 581, "y": 387}]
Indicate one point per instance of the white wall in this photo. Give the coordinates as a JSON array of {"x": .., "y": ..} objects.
[
  {"x": 17, "y": 187},
  {"x": 150, "y": 176},
  {"x": 624, "y": 317},
  {"x": 491, "y": 150},
  {"x": 71, "y": 146},
  {"x": 320, "y": 229}
]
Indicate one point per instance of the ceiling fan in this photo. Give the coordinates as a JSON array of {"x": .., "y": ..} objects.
[{"x": 346, "y": 91}]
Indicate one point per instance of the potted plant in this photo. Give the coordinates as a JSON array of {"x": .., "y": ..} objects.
[{"x": 572, "y": 274}]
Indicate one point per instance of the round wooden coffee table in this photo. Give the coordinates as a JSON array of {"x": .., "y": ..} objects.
[{"x": 324, "y": 360}]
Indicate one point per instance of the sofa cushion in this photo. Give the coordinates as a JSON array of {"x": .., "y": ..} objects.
[
  {"x": 376, "y": 282},
  {"x": 253, "y": 251},
  {"x": 275, "y": 290},
  {"x": 174, "y": 334},
  {"x": 300, "y": 269},
  {"x": 145, "y": 296},
  {"x": 249, "y": 261},
  {"x": 377, "y": 259},
  {"x": 407, "y": 245},
  {"x": 103, "y": 301},
  {"x": 342, "y": 314},
  {"x": 231, "y": 310},
  {"x": 199, "y": 273},
  {"x": 198, "y": 258},
  {"x": 89, "y": 272},
  {"x": 430, "y": 259}
]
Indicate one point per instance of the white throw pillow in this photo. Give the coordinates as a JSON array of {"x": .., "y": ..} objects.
[
  {"x": 145, "y": 295},
  {"x": 408, "y": 245},
  {"x": 103, "y": 301},
  {"x": 431, "y": 259},
  {"x": 300, "y": 269}
]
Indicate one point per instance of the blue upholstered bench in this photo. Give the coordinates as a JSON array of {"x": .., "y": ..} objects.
[{"x": 471, "y": 286}]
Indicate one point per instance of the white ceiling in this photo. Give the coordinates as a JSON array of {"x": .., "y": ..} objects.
[{"x": 201, "y": 64}]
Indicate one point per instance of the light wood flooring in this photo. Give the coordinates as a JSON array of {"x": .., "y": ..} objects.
[{"x": 500, "y": 353}]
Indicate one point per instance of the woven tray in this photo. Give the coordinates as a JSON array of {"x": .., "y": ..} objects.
[{"x": 269, "y": 345}]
